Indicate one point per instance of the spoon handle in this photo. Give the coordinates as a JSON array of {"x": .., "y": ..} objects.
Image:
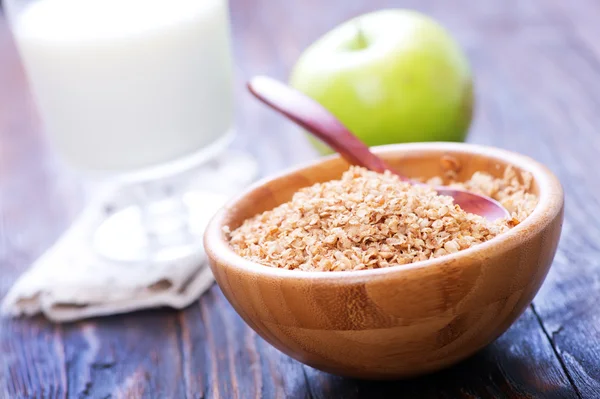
[
  {"x": 316, "y": 119},
  {"x": 312, "y": 116}
]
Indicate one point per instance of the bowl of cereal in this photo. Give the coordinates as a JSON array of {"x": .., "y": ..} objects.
[{"x": 359, "y": 274}]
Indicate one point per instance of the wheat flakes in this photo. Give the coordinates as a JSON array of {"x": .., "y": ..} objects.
[{"x": 368, "y": 220}]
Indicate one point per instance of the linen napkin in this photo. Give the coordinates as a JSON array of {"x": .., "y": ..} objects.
[{"x": 70, "y": 281}]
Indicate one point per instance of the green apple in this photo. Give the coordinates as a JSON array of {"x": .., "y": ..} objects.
[{"x": 390, "y": 76}]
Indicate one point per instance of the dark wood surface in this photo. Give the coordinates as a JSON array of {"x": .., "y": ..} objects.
[{"x": 537, "y": 66}]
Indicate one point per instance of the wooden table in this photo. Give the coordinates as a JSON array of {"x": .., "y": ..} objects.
[{"x": 537, "y": 66}]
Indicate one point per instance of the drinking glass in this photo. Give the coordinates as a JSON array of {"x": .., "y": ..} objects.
[{"x": 136, "y": 92}]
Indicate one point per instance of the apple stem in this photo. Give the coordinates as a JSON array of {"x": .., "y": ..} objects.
[{"x": 360, "y": 36}]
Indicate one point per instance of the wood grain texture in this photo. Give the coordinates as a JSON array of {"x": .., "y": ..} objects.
[
  {"x": 536, "y": 66},
  {"x": 563, "y": 112},
  {"x": 395, "y": 322},
  {"x": 516, "y": 378}
]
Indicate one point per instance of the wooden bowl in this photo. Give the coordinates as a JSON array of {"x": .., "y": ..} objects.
[{"x": 400, "y": 321}]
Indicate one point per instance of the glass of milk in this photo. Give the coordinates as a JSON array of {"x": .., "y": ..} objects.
[{"x": 137, "y": 91}]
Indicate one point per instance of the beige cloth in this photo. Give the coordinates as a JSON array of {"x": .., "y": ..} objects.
[{"x": 70, "y": 282}]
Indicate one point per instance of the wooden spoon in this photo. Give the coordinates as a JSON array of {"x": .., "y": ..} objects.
[{"x": 312, "y": 116}]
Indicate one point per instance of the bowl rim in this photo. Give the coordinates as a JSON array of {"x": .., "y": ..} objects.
[{"x": 550, "y": 204}]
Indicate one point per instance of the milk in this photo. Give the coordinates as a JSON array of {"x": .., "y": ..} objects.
[{"x": 127, "y": 84}]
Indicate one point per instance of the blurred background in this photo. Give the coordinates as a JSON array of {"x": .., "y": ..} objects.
[{"x": 534, "y": 67}]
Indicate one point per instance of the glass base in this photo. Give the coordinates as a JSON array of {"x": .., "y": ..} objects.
[
  {"x": 125, "y": 237},
  {"x": 168, "y": 169}
]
